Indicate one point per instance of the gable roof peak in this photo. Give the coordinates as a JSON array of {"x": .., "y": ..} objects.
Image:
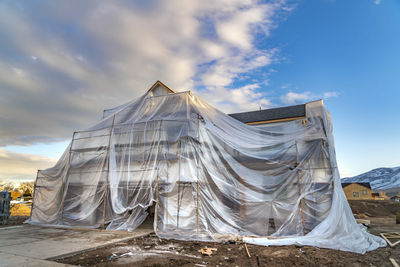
[{"x": 158, "y": 84}]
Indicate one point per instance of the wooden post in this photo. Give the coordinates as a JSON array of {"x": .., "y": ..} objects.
[
  {"x": 198, "y": 181},
  {"x": 179, "y": 185},
  {"x": 156, "y": 211},
  {"x": 34, "y": 195},
  {"x": 247, "y": 250},
  {"x": 157, "y": 189},
  {"x": 302, "y": 216},
  {"x": 108, "y": 174},
  {"x": 66, "y": 177},
  {"x": 301, "y": 206},
  {"x": 198, "y": 193}
]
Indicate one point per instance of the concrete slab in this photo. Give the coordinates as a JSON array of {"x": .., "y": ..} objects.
[
  {"x": 30, "y": 242},
  {"x": 10, "y": 260},
  {"x": 8, "y": 241}
]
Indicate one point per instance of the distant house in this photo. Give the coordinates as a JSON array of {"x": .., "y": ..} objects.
[
  {"x": 380, "y": 195},
  {"x": 27, "y": 195},
  {"x": 393, "y": 194},
  {"x": 395, "y": 198},
  {"x": 389, "y": 194},
  {"x": 357, "y": 191},
  {"x": 15, "y": 195},
  {"x": 377, "y": 196}
]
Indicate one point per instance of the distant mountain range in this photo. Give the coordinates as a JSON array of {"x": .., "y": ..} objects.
[{"x": 379, "y": 179}]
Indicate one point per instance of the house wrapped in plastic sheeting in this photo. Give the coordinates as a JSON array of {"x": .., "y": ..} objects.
[{"x": 208, "y": 175}]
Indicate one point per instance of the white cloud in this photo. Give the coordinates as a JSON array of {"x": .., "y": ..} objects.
[
  {"x": 19, "y": 78},
  {"x": 76, "y": 59},
  {"x": 236, "y": 30},
  {"x": 377, "y": 2},
  {"x": 62, "y": 63},
  {"x": 332, "y": 94},
  {"x": 244, "y": 98},
  {"x": 227, "y": 69},
  {"x": 292, "y": 98},
  {"x": 19, "y": 166}
]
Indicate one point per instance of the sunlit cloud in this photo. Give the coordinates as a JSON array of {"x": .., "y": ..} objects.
[
  {"x": 292, "y": 98},
  {"x": 20, "y": 166},
  {"x": 63, "y": 63}
]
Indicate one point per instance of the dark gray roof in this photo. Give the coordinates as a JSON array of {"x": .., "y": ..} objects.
[
  {"x": 271, "y": 114},
  {"x": 367, "y": 185}
]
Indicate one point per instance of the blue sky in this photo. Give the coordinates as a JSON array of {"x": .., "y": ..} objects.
[
  {"x": 352, "y": 47},
  {"x": 62, "y": 64}
]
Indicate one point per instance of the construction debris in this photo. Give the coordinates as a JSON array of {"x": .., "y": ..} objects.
[
  {"x": 393, "y": 262},
  {"x": 247, "y": 250},
  {"x": 207, "y": 251},
  {"x": 363, "y": 221},
  {"x": 388, "y": 236}
]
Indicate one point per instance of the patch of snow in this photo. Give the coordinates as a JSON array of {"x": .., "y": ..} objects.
[{"x": 379, "y": 179}]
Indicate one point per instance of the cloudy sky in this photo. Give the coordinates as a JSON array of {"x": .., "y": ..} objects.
[{"x": 63, "y": 62}]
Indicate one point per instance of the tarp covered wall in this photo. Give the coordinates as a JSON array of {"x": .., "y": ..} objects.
[{"x": 210, "y": 176}]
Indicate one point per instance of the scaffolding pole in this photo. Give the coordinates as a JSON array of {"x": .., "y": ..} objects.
[
  {"x": 197, "y": 217},
  {"x": 66, "y": 177},
  {"x": 108, "y": 174},
  {"x": 156, "y": 211},
  {"x": 301, "y": 204},
  {"x": 34, "y": 195},
  {"x": 198, "y": 181}
]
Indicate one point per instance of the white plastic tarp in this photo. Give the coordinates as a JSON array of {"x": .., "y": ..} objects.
[{"x": 210, "y": 177}]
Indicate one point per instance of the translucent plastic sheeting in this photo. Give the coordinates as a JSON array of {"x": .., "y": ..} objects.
[{"x": 209, "y": 176}]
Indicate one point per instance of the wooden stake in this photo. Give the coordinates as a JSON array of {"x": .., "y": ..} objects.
[
  {"x": 108, "y": 174},
  {"x": 247, "y": 250},
  {"x": 394, "y": 263}
]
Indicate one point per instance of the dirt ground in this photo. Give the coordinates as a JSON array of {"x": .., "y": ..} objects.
[
  {"x": 151, "y": 251},
  {"x": 375, "y": 208}
]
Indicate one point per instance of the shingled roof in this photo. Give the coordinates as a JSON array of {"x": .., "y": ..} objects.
[
  {"x": 367, "y": 185},
  {"x": 271, "y": 114}
]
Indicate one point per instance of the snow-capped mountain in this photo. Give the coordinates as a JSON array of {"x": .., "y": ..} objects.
[{"x": 379, "y": 179}]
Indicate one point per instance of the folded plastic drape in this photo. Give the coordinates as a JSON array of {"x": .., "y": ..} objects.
[{"x": 210, "y": 177}]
